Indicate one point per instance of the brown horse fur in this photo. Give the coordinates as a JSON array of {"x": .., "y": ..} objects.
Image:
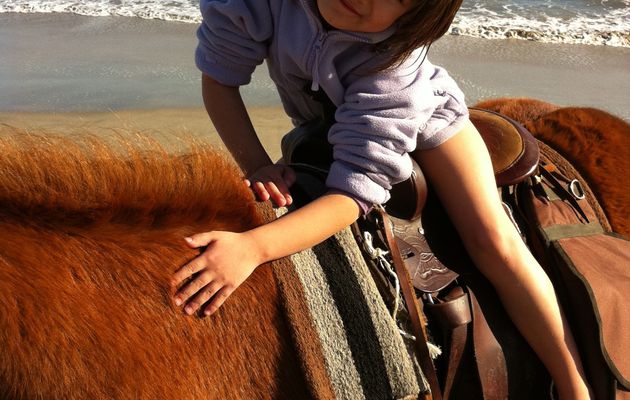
[
  {"x": 519, "y": 109},
  {"x": 89, "y": 236},
  {"x": 595, "y": 142}
]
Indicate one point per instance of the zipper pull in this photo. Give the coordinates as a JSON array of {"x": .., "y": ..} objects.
[{"x": 317, "y": 49}]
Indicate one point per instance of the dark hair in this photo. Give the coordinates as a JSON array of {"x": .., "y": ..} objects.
[{"x": 425, "y": 23}]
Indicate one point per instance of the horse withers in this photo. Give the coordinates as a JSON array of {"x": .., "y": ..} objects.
[{"x": 89, "y": 235}]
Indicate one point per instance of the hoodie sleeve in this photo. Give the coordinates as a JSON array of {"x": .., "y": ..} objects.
[
  {"x": 233, "y": 39},
  {"x": 450, "y": 112},
  {"x": 384, "y": 117}
]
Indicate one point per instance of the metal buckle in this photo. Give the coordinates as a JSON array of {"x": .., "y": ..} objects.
[{"x": 576, "y": 189}]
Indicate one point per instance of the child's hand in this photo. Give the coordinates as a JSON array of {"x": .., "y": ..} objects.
[
  {"x": 273, "y": 182},
  {"x": 226, "y": 262}
]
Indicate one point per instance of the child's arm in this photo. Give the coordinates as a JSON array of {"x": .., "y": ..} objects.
[
  {"x": 229, "y": 116},
  {"x": 231, "y": 257}
]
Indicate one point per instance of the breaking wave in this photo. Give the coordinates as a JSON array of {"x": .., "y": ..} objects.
[{"x": 594, "y": 22}]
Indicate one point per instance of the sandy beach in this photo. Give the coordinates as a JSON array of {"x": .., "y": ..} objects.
[
  {"x": 68, "y": 73},
  {"x": 165, "y": 124}
]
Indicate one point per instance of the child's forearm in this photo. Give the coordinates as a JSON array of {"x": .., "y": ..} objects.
[
  {"x": 298, "y": 230},
  {"x": 231, "y": 120},
  {"x": 305, "y": 227}
]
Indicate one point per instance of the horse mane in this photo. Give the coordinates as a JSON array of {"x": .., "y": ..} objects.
[
  {"x": 128, "y": 179},
  {"x": 90, "y": 232}
]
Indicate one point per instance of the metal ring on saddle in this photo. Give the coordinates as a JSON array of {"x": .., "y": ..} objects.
[{"x": 576, "y": 189}]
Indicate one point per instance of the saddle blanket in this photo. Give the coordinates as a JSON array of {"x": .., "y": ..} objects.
[{"x": 349, "y": 345}]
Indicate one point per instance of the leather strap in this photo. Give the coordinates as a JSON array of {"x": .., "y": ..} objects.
[
  {"x": 459, "y": 338},
  {"x": 453, "y": 315},
  {"x": 418, "y": 322},
  {"x": 488, "y": 355}
]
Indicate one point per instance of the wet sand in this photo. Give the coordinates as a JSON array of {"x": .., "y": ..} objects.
[{"x": 64, "y": 72}]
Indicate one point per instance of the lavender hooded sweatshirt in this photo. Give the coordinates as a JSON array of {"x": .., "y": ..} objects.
[{"x": 380, "y": 117}]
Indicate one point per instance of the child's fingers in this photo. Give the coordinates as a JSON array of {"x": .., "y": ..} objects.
[
  {"x": 260, "y": 191},
  {"x": 202, "y": 297},
  {"x": 199, "y": 239},
  {"x": 278, "y": 192},
  {"x": 276, "y": 196},
  {"x": 192, "y": 287},
  {"x": 187, "y": 271},
  {"x": 281, "y": 195},
  {"x": 218, "y": 300},
  {"x": 280, "y": 187}
]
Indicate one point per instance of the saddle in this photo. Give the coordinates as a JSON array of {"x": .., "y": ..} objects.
[
  {"x": 444, "y": 276},
  {"x": 514, "y": 154},
  {"x": 427, "y": 257}
]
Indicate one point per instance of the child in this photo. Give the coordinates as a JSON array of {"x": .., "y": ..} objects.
[{"x": 368, "y": 57}]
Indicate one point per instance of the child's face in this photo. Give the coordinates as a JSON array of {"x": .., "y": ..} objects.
[{"x": 363, "y": 15}]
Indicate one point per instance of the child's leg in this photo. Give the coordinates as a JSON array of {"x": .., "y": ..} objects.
[{"x": 461, "y": 172}]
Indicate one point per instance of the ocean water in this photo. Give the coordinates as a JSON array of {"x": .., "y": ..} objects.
[{"x": 595, "y": 22}]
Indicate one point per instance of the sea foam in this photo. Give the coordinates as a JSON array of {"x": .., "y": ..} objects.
[{"x": 604, "y": 22}]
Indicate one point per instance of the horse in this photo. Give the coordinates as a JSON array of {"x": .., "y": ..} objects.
[
  {"x": 89, "y": 238},
  {"x": 90, "y": 232},
  {"x": 595, "y": 142}
]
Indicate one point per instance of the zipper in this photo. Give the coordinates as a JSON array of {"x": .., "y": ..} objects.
[{"x": 317, "y": 50}]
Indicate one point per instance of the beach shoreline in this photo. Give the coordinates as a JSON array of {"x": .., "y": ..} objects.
[
  {"x": 65, "y": 71},
  {"x": 164, "y": 124}
]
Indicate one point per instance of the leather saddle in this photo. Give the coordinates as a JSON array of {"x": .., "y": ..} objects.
[
  {"x": 430, "y": 255},
  {"x": 513, "y": 151},
  {"x": 427, "y": 244},
  {"x": 421, "y": 228},
  {"x": 434, "y": 258}
]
